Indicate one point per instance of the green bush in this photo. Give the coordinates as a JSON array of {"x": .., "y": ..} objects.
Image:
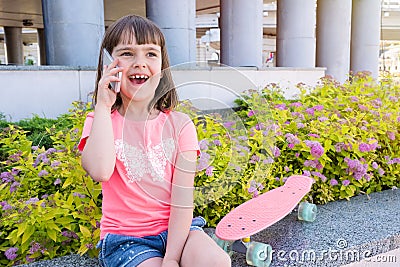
[
  {"x": 344, "y": 136},
  {"x": 49, "y": 206},
  {"x": 36, "y": 128}
]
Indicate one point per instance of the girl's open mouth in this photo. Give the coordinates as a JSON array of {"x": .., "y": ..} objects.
[{"x": 138, "y": 78}]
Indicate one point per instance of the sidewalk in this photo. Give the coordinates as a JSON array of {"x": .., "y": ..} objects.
[{"x": 364, "y": 231}]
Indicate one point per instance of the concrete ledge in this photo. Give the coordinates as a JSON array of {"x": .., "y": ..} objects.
[
  {"x": 48, "y": 91},
  {"x": 344, "y": 232}
]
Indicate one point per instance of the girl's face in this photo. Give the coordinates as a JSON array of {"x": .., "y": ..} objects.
[{"x": 142, "y": 70}]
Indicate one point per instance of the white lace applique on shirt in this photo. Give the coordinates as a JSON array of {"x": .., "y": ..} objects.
[{"x": 151, "y": 160}]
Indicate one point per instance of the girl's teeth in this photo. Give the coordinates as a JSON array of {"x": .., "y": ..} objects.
[{"x": 139, "y": 76}]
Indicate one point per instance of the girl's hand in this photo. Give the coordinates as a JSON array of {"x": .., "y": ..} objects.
[{"x": 105, "y": 95}]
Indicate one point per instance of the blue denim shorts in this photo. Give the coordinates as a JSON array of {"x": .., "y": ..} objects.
[{"x": 121, "y": 251}]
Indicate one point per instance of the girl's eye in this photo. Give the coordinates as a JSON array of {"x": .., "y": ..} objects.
[
  {"x": 126, "y": 54},
  {"x": 152, "y": 54}
]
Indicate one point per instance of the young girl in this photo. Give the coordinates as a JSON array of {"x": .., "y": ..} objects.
[{"x": 144, "y": 154}]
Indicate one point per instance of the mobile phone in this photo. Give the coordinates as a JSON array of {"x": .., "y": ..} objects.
[{"x": 107, "y": 60}]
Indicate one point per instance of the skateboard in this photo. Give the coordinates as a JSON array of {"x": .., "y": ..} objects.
[{"x": 234, "y": 230}]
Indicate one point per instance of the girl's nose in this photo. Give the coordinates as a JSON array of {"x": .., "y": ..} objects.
[{"x": 139, "y": 62}]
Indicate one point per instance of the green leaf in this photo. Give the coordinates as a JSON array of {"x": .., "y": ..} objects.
[
  {"x": 85, "y": 231},
  {"x": 30, "y": 229},
  {"x": 52, "y": 234},
  {"x": 21, "y": 228}
]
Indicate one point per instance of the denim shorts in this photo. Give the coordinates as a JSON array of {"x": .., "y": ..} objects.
[{"x": 121, "y": 251}]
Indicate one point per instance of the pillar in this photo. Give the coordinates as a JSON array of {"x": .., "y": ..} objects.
[
  {"x": 333, "y": 37},
  {"x": 73, "y": 31},
  {"x": 176, "y": 19},
  {"x": 42, "y": 47},
  {"x": 365, "y": 36},
  {"x": 295, "y": 39},
  {"x": 15, "y": 48},
  {"x": 241, "y": 26}
]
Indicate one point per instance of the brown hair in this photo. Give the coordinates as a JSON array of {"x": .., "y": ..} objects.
[{"x": 146, "y": 32}]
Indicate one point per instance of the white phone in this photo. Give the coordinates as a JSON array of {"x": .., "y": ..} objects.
[{"x": 107, "y": 60}]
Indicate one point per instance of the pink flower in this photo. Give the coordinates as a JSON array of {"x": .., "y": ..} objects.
[
  {"x": 318, "y": 107},
  {"x": 322, "y": 119},
  {"x": 346, "y": 182},
  {"x": 391, "y": 135},
  {"x": 251, "y": 113},
  {"x": 209, "y": 171},
  {"x": 276, "y": 151},
  {"x": 375, "y": 165},
  {"x": 362, "y": 107},
  {"x": 310, "y": 111},
  {"x": 319, "y": 175},
  {"x": 300, "y": 125},
  {"x": 11, "y": 253},
  {"x": 290, "y": 138},
  {"x": 313, "y": 135},
  {"x": 254, "y": 188},
  {"x": 317, "y": 149},
  {"x": 280, "y": 106},
  {"x": 334, "y": 182},
  {"x": 296, "y": 104},
  {"x": 43, "y": 173},
  {"x": 354, "y": 99},
  {"x": 363, "y": 147}
]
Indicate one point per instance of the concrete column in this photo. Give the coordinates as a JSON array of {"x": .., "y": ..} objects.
[
  {"x": 333, "y": 37},
  {"x": 295, "y": 39},
  {"x": 42, "y": 47},
  {"x": 365, "y": 36},
  {"x": 15, "y": 47},
  {"x": 241, "y": 26},
  {"x": 176, "y": 18},
  {"x": 73, "y": 31}
]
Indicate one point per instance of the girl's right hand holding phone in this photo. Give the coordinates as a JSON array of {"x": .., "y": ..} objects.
[{"x": 105, "y": 95}]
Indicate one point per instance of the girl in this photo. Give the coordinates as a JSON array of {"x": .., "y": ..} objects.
[{"x": 144, "y": 154}]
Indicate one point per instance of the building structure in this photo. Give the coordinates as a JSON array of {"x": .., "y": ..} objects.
[
  {"x": 265, "y": 41},
  {"x": 291, "y": 33}
]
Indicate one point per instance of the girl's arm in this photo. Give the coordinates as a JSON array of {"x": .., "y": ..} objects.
[
  {"x": 181, "y": 207},
  {"x": 98, "y": 156}
]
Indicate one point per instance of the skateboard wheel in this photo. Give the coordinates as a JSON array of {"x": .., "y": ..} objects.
[
  {"x": 307, "y": 212},
  {"x": 224, "y": 244},
  {"x": 259, "y": 254}
]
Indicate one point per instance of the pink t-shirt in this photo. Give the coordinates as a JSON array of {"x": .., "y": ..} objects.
[{"x": 136, "y": 198}]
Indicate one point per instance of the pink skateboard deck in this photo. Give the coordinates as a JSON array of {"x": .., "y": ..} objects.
[{"x": 263, "y": 211}]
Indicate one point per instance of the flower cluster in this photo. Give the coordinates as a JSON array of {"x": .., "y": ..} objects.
[
  {"x": 317, "y": 150},
  {"x": 255, "y": 188},
  {"x": 356, "y": 169}
]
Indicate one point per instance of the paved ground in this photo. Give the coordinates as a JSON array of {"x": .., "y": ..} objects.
[{"x": 345, "y": 232}]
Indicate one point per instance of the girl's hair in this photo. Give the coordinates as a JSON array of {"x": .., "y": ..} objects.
[{"x": 146, "y": 32}]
